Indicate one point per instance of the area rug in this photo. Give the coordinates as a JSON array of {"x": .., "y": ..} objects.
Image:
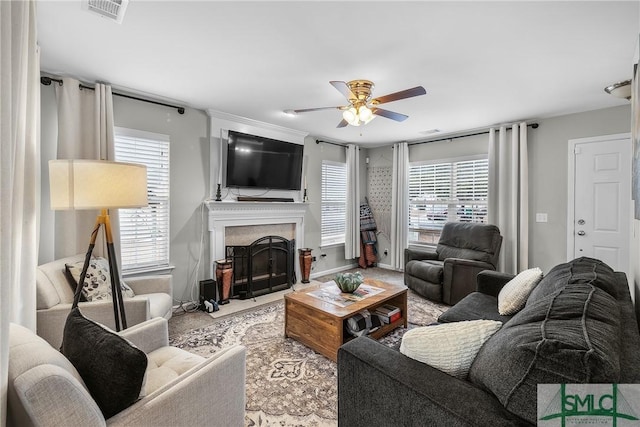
[{"x": 288, "y": 384}]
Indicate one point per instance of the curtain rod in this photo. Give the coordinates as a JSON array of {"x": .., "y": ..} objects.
[
  {"x": 47, "y": 81},
  {"x": 318, "y": 141},
  {"x": 533, "y": 126}
]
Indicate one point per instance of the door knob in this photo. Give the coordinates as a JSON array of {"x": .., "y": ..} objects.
[{"x": 581, "y": 233}]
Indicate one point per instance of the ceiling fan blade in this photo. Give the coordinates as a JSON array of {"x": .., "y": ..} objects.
[
  {"x": 389, "y": 114},
  {"x": 403, "y": 94},
  {"x": 343, "y": 88},
  {"x": 342, "y": 123},
  {"x": 306, "y": 110}
]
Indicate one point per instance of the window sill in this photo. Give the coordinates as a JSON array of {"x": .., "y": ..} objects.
[
  {"x": 148, "y": 271},
  {"x": 331, "y": 245}
]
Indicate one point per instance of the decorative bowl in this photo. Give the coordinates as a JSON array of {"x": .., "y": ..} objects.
[{"x": 348, "y": 282}]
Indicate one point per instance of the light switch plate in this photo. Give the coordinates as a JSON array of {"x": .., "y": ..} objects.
[{"x": 541, "y": 217}]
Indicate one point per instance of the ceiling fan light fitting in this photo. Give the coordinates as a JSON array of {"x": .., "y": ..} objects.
[
  {"x": 351, "y": 116},
  {"x": 620, "y": 89},
  {"x": 365, "y": 113}
]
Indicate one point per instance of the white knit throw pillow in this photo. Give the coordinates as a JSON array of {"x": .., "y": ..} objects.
[
  {"x": 449, "y": 347},
  {"x": 514, "y": 294}
]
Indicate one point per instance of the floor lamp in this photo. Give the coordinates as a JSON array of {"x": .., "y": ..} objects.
[{"x": 103, "y": 185}]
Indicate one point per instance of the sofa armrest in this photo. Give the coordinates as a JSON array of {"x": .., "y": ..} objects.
[
  {"x": 459, "y": 278},
  {"x": 159, "y": 283},
  {"x": 50, "y": 322},
  {"x": 491, "y": 282},
  {"x": 211, "y": 394},
  {"x": 379, "y": 386},
  {"x": 414, "y": 254},
  {"x": 149, "y": 335}
]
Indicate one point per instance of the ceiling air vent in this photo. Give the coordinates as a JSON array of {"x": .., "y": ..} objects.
[{"x": 112, "y": 9}]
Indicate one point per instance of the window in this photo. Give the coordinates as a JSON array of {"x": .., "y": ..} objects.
[
  {"x": 144, "y": 232},
  {"x": 446, "y": 191},
  {"x": 334, "y": 203}
]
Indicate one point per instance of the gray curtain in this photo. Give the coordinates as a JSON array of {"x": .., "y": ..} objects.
[
  {"x": 352, "y": 234},
  {"x": 509, "y": 195},
  {"x": 400, "y": 205},
  {"x": 85, "y": 131}
]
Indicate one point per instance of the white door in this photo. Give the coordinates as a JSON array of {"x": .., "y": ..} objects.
[{"x": 601, "y": 223}]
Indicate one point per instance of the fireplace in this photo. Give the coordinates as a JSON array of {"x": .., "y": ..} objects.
[
  {"x": 264, "y": 266},
  {"x": 282, "y": 218}
]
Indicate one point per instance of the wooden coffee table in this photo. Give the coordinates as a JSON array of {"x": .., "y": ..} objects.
[{"x": 319, "y": 324}]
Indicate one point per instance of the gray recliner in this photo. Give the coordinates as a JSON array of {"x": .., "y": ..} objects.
[{"x": 449, "y": 274}]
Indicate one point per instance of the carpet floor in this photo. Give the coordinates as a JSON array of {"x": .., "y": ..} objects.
[{"x": 287, "y": 383}]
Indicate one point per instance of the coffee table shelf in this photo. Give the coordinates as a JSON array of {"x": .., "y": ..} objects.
[{"x": 320, "y": 325}]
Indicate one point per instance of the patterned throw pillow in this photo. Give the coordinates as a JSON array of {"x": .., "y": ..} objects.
[
  {"x": 97, "y": 283},
  {"x": 513, "y": 296},
  {"x": 449, "y": 347}
]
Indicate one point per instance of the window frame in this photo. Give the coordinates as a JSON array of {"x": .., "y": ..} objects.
[
  {"x": 449, "y": 202},
  {"x": 159, "y": 210},
  {"x": 327, "y": 240}
]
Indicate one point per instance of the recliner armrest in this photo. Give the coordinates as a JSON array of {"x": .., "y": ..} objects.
[
  {"x": 412, "y": 254},
  {"x": 491, "y": 282}
]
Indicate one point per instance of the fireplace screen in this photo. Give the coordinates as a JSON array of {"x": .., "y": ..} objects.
[{"x": 264, "y": 266}]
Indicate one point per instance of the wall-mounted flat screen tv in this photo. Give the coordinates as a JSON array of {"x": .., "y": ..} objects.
[{"x": 258, "y": 162}]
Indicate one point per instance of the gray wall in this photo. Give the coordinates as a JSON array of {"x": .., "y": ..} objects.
[
  {"x": 189, "y": 158},
  {"x": 548, "y": 163},
  {"x": 334, "y": 255},
  {"x": 189, "y": 181},
  {"x": 548, "y": 145}
]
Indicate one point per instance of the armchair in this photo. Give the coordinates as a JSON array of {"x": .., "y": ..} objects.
[
  {"x": 44, "y": 388},
  {"x": 449, "y": 274},
  {"x": 153, "y": 298}
]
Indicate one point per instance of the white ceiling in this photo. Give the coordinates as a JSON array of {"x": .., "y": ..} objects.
[{"x": 482, "y": 63}]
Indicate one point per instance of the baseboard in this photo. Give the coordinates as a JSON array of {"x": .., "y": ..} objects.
[
  {"x": 387, "y": 267},
  {"x": 333, "y": 270}
]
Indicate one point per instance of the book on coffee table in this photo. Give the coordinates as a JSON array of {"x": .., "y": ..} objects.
[{"x": 330, "y": 292}]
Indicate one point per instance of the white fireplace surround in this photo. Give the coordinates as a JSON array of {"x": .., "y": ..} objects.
[{"x": 237, "y": 214}]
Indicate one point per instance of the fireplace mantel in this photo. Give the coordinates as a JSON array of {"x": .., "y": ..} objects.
[{"x": 236, "y": 214}]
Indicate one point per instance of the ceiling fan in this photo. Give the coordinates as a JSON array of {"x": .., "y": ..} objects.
[{"x": 362, "y": 108}]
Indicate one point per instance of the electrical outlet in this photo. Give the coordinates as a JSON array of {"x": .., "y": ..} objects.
[
  {"x": 314, "y": 259},
  {"x": 386, "y": 251}
]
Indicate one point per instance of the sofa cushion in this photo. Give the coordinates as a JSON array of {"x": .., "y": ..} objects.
[
  {"x": 428, "y": 270},
  {"x": 112, "y": 368},
  {"x": 569, "y": 336},
  {"x": 475, "y": 306},
  {"x": 167, "y": 364},
  {"x": 579, "y": 270},
  {"x": 513, "y": 296},
  {"x": 449, "y": 347}
]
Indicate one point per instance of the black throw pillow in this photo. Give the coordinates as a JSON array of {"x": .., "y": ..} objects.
[{"x": 112, "y": 368}]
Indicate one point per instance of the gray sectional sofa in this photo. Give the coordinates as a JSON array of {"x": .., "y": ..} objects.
[{"x": 578, "y": 326}]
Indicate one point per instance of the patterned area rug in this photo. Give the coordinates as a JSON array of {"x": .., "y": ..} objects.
[{"x": 288, "y": 384}]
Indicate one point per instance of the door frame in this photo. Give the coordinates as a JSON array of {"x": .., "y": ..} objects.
[{"x": 571, "y": 170}]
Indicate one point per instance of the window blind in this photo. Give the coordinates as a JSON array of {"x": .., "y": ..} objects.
[
  {"x": 334, "y": 202},
  {"x": 443, "y": 192},
  {"x": 144, "y": 232}
]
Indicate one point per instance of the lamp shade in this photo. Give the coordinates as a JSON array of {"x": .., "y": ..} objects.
[{"x": 97, "y": 184}]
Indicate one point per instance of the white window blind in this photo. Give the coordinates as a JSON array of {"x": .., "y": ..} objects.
[
  {"x": 334, "y": 203},
  {"x": 144, "y": 232},
  {"x": 443, "y": 192}
]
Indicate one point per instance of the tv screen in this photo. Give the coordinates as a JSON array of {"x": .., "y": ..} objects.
[{"x": 258, "y": 162}]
